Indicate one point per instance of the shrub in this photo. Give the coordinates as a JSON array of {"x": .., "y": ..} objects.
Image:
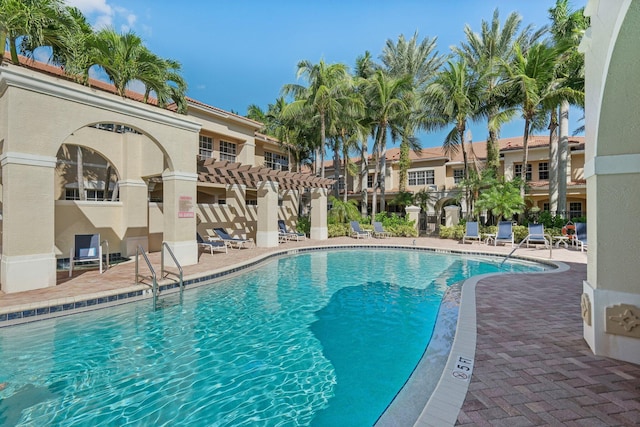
[
  {"x": 304, "y": 225},
  {"x": 337, "y": 230},
  {"x": 403, "y": 230}
]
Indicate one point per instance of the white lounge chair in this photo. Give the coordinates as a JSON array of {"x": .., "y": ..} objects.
[
  {"x": 86, "y": 248},
  {"x": 211, "y": 245},
  {"x": 505, "y": 233},
  {"x": 580, "y": 238},
  {"x": 536, "y": 235},
  {"x": 283, "y": 232},
  {"x": 378, "y": 230},
  {"x": 227, "y": 239},
  {"x": 472, "y": 232},
  {"x": 358, "y": 232}
]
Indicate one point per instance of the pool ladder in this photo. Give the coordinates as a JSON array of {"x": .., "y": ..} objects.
[
  {"x": 520, "y": 244},
  {"x": 163, "y": 272}
]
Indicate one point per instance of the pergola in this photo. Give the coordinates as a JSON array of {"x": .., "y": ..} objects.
[{"x": 225, "y": 172}]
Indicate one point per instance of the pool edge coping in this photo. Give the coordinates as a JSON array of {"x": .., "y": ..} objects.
[{"x": 445, "y": 403}]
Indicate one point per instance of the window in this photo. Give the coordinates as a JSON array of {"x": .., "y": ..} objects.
[
  {"x": 276, "y": 161},
  {"x": 458, "y": 175},
  {"x": 206, "y": 147},
  {"x": 340, "y": 183},
  {"x": 543, "y": 170},
  {"x": 518, "y": 171},
  {"x": 546, "y": 207},
  {"x": 370, "y": 181},
  {"x": 575, "y": 209},
  {"x": 421, "y": 177},
  {"x": 92, "y": 195},
  {"x": 228, "y": 151}
]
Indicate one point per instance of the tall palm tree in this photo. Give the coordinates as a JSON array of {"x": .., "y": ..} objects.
[
  {"x": 420, "y": 61},
  {"x": 567, "y": 28},
  {"x": 385, "y": 99},
  {"x": 365, "y": 69},
  {"x": 530, "y": 84},
  {"x": 321, "y": 96},
  {"x": 484, "y": 52},
  {"x": 454, "y": 98}
]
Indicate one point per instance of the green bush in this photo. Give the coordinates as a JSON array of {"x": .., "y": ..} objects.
[
  {"x": 402, "y": 230},
  {"x": 304, "y": 225},
  {"x": 338, "y": 230}
]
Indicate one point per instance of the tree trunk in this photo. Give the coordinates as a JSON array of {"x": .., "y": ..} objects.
[
  {"x": 364, "y": 178},
  {"x": 107, "y": 180},
  {"x": 383, "y": 172},
  {"x": 525, "y": 156},
  {"x": 322, "y": 139},
  {"x": 553, "y": 162},
  {"x": 374, "y": 200},
  {"x": 345, "y": 173},
  {"x": 563, "y": 152},
  {"x": 336, "y": 170},
  {"x": 81, "y": 193}
]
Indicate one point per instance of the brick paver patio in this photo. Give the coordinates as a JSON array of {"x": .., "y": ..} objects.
[{"x": 532, "y": 366}]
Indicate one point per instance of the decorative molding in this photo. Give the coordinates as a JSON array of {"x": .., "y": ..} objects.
[
  {"x": 612, "y": 165},
  {"x": 623, "y": 319},
  {"x": 585, "y": 306},
  {"x": 179, "y": 176},
  {"x": 15, "y": 158}
]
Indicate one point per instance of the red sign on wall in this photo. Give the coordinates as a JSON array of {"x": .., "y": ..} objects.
[{"x": 185, "y": 207}]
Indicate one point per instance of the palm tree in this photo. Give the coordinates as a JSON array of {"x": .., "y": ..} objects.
[
  {"x": 385, "y": 99},
  {"x": 530, "y": 84},
  {"x": 365, "y": 69},
  {"x": 30, "y": 21},
  {"x": 420, "y": 62},
  {"x": 502, "y": 198},
  {"x": 118, "y": 55},
  {"x": 484, "y": 52},
  {"x": 321, "y": 97},
  {"x": 567, "y": 28}
]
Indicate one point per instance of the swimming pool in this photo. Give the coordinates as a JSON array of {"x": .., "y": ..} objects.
[{"x": 312, "y": 339}]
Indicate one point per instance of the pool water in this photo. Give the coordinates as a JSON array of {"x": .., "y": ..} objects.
[{"x": 324, "y": 338}]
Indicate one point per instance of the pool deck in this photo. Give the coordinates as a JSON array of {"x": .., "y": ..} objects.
[{"x": 531, "y": 365}]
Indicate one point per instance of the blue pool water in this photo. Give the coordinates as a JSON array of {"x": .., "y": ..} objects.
[{"x": 324, "y": 338}]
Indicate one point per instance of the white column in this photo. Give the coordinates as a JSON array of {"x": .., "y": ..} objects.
[
  {"x": 267, "y": 233},
  {"x": 413, "y": 213},
  {"x": 28, "y": 218},
  {"x": 134, "y": 195},
  {"x": 319, "y": 230},
  {"x": 179, "y": 202},
  {"x": 451, "y": 216}
]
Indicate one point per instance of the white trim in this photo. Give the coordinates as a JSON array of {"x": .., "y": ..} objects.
[
  {"x": 132, "y": 183},
  {"x": 16, "y": 158},
  {"x": 612, "y": 165},
  {"x": 179, "y": 176},
  {"x": 38, "y": 82}
]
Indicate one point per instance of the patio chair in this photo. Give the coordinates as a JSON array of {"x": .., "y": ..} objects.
[
  {"x": 505, "y": 233},
  {"x": 228, "y": 240},
  {"x": 211, "y": 245},
  {"x": 378, "y": 230},
  {"x": 358, "y": 232},
  {"x": 289, "y": 235},
  {"x": 580, "y": 238},
  {"x": 86, "y": 248},
  {"x": 472, "y": 232},
  {"x": 536, "y": 235}
]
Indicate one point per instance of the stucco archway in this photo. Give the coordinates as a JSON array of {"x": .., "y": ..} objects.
[
  {"x": 611, "y": 299},
  {"x": 39, "y": 113}
]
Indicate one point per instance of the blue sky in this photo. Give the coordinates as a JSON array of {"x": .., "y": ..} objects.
[{"x": 242, "y": 52}]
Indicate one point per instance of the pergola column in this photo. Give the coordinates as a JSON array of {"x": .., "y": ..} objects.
[
  {"x": 237, "y": 202},
  {"x": 179, "y": 199},
  {"x": 319, "y": 230},
  {"x": 28, "y": 215},
  {"x": 267, "y": 233}
]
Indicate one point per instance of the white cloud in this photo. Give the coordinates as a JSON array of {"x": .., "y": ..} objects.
[{"x": 89, "y": 7}]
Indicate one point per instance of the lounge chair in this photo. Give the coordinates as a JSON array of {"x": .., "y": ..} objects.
[
  {"x": 580, "y": 238},
  {"x": 378, "y": 230},
  {"x": 505, "y": 233},
  {"x": 358, "y": 232},
  {"x": 536, "y": 235},
  {"x": 86, "y": 248},
  {"x": 228, "y": 240},
  {"x": 472, "y": 232},
  {"x": 211, "y": 245},
  {"x": 289, "y": 235}
]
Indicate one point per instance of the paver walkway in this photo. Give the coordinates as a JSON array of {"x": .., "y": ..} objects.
[{"x": 532, "y": 366}]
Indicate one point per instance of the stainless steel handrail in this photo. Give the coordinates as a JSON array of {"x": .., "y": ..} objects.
[
  {"x": 154, "y": 282},
  {"x": 524, "y": 240},
  {"x": 164, "y": 272}
]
